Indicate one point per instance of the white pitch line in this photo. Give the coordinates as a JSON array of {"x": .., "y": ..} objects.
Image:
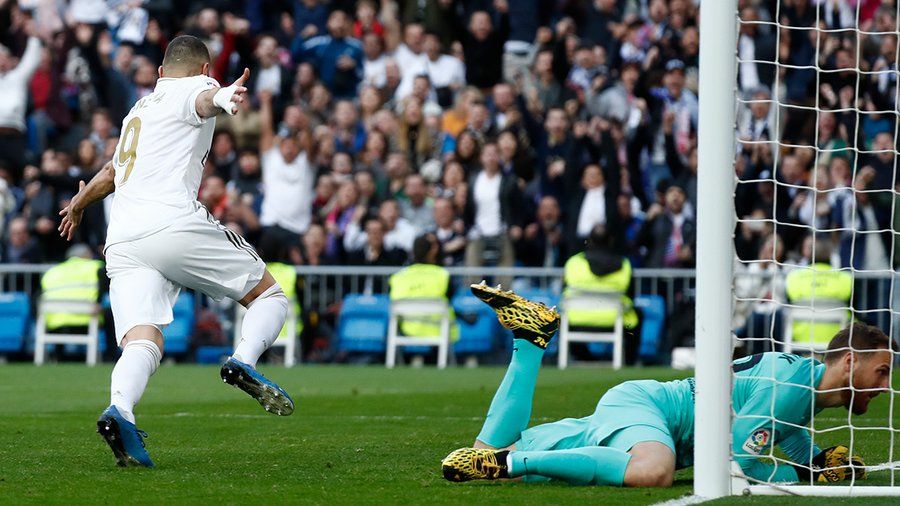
[
  {"x": 682, "y": 501},
  {"x": 184, "y": 414}
]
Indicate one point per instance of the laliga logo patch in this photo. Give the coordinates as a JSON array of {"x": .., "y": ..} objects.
[{"x": 757, "y": 441}]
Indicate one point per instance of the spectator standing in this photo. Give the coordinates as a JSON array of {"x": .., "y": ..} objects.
[
  {"x": 337, "y": 57},
  {"x": 446, "y": 73},
  {"x": 593, "y": 204},
  {"x": 21, "y": 247},
  {"x": 399, "y": 233},
  {"x": 669, "y": 233},
  {"x": 483, "y": 43},
  {"x": 287, "y": 178},
  {"x": 417, "y": 207},
  {"x": 543, "y": 243},
  {"x": 375, "y": 252},
  {"x": 493, "y": 213},
  {"x": 449, "y": 231},
  {"x": 14, "y": 81}
]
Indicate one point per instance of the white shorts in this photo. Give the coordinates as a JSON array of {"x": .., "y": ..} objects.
[{"x": 195, "y": 252}]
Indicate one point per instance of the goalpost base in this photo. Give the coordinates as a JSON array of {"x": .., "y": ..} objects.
[{"x": 821, "y": 491}]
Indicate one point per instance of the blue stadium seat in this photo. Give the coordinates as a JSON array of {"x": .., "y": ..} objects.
[
  {"x": 363, "y": 323},
  {"x": 653, "y": 320},
  {"x": 14, "y": 321},
  {"x": 178, "y": 333},
  {"x": 213, "y": 354},
  {"x": 653, "y": 309},
  {"x": 478, "y": 328}
]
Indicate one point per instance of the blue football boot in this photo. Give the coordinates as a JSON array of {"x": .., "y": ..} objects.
[
  {"x": 269, "y": 395},
  {"x": 124, "y": 438}
]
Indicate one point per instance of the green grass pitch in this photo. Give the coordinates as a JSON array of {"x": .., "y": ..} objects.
[{"x": 359, "y": 435}]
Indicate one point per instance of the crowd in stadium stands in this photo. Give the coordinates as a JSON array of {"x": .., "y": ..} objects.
[
  {"x": 508, "y": 134},
  {"x": 510, "y": 129}
]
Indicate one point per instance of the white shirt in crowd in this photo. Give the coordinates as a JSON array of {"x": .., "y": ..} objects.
[
  {"x": 88, "y": 11},
  {"x": 747, "y": 53},
  {"x": 593, "y": 211},
  {"x": 14, "y": 86},
  {"x": 159, "y": 159},
  {"x": 407, "y": 60},
  {"x": 445, "y": 71},
  {"x": 287, "y": 191},
  {"x": 375, "y": 72},
  {"x": 269, "y": 79},
  {"x": 876, "y": 258},
  {"x": 401, "y": 236},
  {"x": 488, "y": 220}
]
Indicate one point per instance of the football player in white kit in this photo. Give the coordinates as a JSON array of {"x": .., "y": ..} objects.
[{"x": 161, "y": 238}]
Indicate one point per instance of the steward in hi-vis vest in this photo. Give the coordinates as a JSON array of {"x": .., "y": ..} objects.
[
  {"x": 600, "y": 269},
  {"x": 424, "y": 279},
  {"x": 75, "y": 279}
]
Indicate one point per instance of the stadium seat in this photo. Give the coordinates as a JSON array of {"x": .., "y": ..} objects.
[
  {"x": 653, "y": 324},
  {"x": 363, "y": 323},
  {"x": 591, "y": 301},
  {"x": 178, "y": 333},
  {"x": 478, "y": 327},
  {"x": 213, "y": 354},
  {"x": 418, "y": 308},
  {"x": 653, "y": 318},
  {"x": 14, "y": 320},
  {"x": 90, "y": 339}
]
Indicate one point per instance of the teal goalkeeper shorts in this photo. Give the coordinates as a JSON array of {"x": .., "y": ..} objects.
[{"x": 625, "y": 416}]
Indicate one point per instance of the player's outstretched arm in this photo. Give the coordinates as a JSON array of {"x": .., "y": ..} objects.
[
  {"x": 215, "y": 100},
  {"x": 102, "y": 184}
]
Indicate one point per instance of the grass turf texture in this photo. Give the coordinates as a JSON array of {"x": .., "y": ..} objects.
[{"x": 359, "y": 435}]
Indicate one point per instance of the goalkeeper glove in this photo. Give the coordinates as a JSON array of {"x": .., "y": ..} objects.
[{"x": 832, "y": 465}]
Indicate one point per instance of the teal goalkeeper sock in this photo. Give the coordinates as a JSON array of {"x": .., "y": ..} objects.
[
  {"x": 510, "y": 410},
  {"x": 592, "y": 465}
]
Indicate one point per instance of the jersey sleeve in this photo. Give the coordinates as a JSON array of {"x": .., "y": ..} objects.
[
  {"x": 753, "y": 433},
  {"x": 187, "y": 98},
  {"x": 797, "y": 446}
]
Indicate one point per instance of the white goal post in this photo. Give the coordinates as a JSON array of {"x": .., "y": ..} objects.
[
  {"x": 715, "y": 473},
  {"x": 715, "y": 247}
]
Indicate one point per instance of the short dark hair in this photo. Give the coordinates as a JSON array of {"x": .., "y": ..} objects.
[
  {"x": 599, "y": 239},
  {"x": 857, "y": 336},
  {"x": 185, "y": 52},
  {"x": 377, "y": 220},
  {"x": 422, "y": 247}
]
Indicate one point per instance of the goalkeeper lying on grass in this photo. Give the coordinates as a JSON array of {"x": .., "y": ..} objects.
[{"x": 642, "y": 431}]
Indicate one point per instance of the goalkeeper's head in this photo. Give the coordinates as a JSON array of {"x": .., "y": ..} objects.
[{"x": 859, "y": 365}]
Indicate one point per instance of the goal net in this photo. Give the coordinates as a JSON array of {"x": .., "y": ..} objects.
[{"x": 800, "y": 97}]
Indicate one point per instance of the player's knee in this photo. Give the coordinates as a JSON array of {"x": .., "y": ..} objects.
[
  {"x": 150, "y": 333},
  {"x": 649, "y": 475},
  {"x": 275, "y": 293},
  {"x": 660, "y": 477},
  {"x": 268, "y": 288}
]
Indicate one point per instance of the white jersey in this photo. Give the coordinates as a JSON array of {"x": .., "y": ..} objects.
[{"x": 159, "y": 159}]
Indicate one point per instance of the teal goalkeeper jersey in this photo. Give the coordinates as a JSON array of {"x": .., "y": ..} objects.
[{"x": 772, "y": 399}]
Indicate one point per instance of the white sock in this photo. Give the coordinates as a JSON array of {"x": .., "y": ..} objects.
[
  {"x": 138, "y": 362},
  {"x": 262, "y": 324}
]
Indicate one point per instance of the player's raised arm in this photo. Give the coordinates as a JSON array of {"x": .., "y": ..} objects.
[
  {"x": 215, "y": 100},
  {"x": 266, "y": 130},
  {"x": 102, "y": 184}
]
